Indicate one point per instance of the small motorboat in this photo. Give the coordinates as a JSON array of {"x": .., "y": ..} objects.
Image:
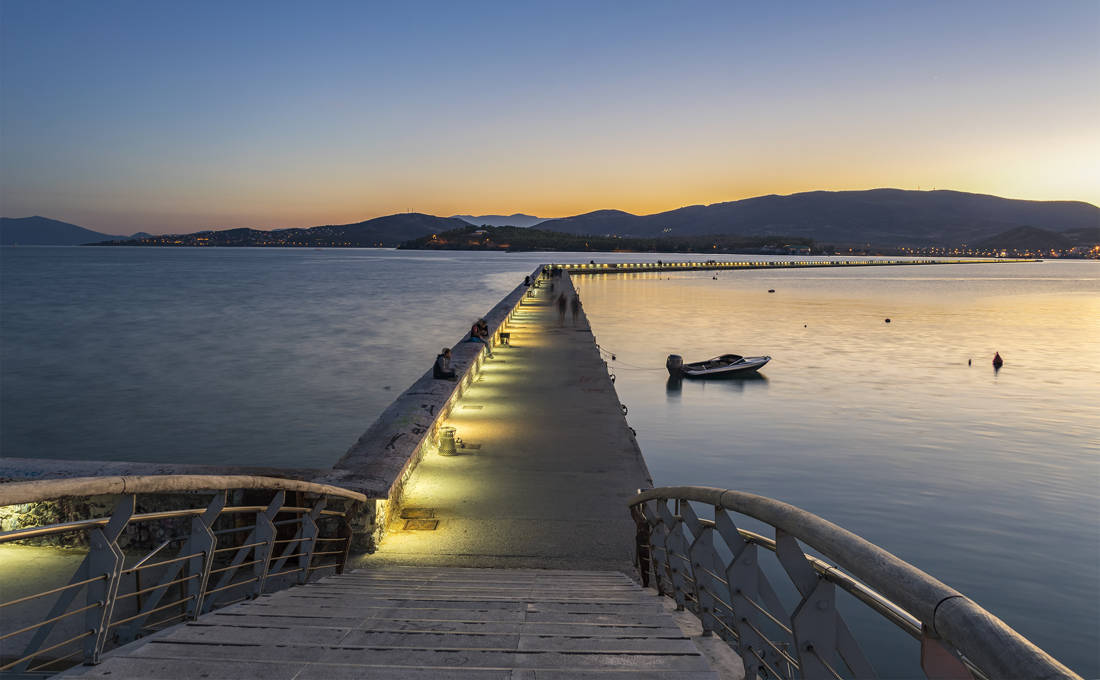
[{"x": 718, "y": 367}]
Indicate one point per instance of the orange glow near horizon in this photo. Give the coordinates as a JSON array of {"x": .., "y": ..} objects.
[{"x": 308, "y": 122}]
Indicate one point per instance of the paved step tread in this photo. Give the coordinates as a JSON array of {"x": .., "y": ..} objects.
[{"x": 400, "y": 623}]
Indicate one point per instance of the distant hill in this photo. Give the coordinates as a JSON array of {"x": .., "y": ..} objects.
[
  {"x": 516, "y": 220},
  {"x": 531, "y": 239},
  {"x": 884, "y": 218},
  {"x": 1026, "y": 238},
  {"x": 1083, "y": 237},
  {"x": 42, "y": 231},
  {"x": 880, "y": 216},
  {"x": 387, "y": 231}
]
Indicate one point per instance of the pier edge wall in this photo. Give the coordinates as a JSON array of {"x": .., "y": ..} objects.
[{"x": 383, "y": 458}]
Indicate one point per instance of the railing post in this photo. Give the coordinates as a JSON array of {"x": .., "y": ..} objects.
[
  {"x": 658, "y": 544},
  {"x": 674, "y": 541},
  {"x": 656, "y": 540},
  {"x": 814, "y": 631},
  {"x": 265, "y": 531},
  {"x": 309, "y": 538},
  {"x": 106, "y": 557},
  {"x": 344, "y": 531},
  {"x": 703, "y": 565},
  {"x": 818, "y": 629},
  {"x": 202, "y": 538},
  {"x": 743, "y": 577}
]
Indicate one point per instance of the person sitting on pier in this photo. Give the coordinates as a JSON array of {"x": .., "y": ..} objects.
[
  {"x": 479, "y": 332},
  {"x": 442, "y": 369}
]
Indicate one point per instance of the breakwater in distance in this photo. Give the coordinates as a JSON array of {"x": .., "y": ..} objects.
[{"x": 594, "y": 267}]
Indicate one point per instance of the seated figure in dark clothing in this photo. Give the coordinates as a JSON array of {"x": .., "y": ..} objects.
[
  {"x": 442, "y": 369},
  {"x": 479, "y": 332}
]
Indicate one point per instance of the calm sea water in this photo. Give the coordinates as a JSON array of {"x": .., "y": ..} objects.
[
  {"x": 986, "y": 479},
  {"x": 283, "y": 357}
]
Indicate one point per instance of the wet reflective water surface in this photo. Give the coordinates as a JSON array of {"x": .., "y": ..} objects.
[
  {"x": 986, "y": 479},
  {"x": 902, "y": 432}
]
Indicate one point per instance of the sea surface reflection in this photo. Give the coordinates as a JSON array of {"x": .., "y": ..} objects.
[{"x": 903, "y": 431}]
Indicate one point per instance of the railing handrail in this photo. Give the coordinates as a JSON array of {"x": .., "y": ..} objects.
[
  {"x": 212, "y": 564},
  {"x": 18, "y": 493},
  {"x": 984, "y": 639}
]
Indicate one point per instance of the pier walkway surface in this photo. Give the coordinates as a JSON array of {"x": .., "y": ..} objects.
[
  {"x": 419, "y": 622},
  {"x": 547, "y": 465}
]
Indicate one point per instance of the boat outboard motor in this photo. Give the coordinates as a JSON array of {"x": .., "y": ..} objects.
[{"x": 674, "y": 364}]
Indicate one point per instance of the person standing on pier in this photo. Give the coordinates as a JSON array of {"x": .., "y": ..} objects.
[
  {"x": 561, "y": 309},
  {"x": 575, "y": 307}
]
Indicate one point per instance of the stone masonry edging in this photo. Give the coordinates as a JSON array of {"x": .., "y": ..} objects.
[{"x": 380, "y": 462}]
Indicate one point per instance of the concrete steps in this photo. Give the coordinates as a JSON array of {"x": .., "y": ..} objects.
[{"x": 426, "y": 622}]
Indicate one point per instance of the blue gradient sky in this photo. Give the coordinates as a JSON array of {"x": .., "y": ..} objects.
[{"x": 173, "y": 116}]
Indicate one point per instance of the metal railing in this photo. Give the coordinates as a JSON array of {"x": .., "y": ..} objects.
[
  {"x": 214, "y": 554},
  {"x": 712, "y": 568}
]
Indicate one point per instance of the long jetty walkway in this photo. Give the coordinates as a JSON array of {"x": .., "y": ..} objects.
[{"x": 546, "y": 462}]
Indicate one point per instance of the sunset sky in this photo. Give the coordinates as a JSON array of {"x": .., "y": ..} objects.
[{"x": 175, "y": 116}]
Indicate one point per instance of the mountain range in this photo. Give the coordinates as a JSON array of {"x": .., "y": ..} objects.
[
  {"x": 380, "y": 232},
  {"x": 880, "y": 216},
  {"x": 883, "y": 217},
  {"x": 42, "y": 231},
  {"x": 516, "y": 220}
]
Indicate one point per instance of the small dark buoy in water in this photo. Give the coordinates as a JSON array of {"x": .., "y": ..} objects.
[
  {"x": 804, "y": 326},
  {"x": 968, "y": 362},
  {"x": 888, "y": 321},
  {"x": 771, "y": 290},
  {"x": 997, "y": 360}
]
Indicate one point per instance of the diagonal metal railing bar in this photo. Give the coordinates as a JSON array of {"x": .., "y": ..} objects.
[
  {"x": 197, "y": 578},
  {"x": 267, "y": 532},
  {"x": 725, "y": 586},
  {"x": 192, "y": 561},
  {"x": 106, "y": 555}
]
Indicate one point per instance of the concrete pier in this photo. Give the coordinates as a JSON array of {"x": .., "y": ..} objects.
[{"x": 546, "y": 465}]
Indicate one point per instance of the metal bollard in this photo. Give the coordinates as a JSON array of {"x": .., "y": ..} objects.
[{"x": 447, "y": 441}]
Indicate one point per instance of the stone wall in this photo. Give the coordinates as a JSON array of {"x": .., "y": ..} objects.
[{"x": 380, "y": 462}]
